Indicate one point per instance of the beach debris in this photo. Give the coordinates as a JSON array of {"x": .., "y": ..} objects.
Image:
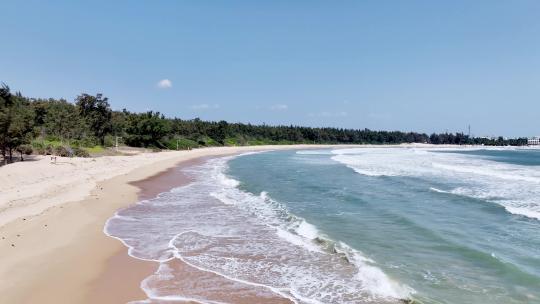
[{"x": 12, "y": 245}]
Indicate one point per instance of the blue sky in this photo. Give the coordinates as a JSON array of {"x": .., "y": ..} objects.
[{"x": 427, "y": 66}]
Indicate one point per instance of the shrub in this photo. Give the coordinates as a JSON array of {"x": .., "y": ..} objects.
[
  {"x": 88, "y": 141},
  {"x": 52, "y": 138},
  {"x": 207, "y": 141},
  {"x": 25, "y": 149},
  {"x": 63, "y": 151},
  {"x": 110, "y": 141},
  {"x": 183, "y": 144},
  {"x": 80, "y": 152},
  {"x": 235, "y": 141},
  {"x": 231, "y": 141},
  {"x": 48, "y": 150},
  {"x": 75, "y": 143},
  {"x": 38, "y": 144},
  {"x": 95, "y": 149}
]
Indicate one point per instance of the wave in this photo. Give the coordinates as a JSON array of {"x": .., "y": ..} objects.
[
  {"x": 513, "y": 207},
  {"x": 515, "y": 187},
  {"x": 244, "y": 242},
  {"x": 314, "y": 152},
  {"x": 525, "y": 211},
  {"x": 297, "y": 231},
  {"x": 438, "y": 190}
]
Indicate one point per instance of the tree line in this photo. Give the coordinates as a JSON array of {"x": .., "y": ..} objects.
[{"x": 56, "y": 126}]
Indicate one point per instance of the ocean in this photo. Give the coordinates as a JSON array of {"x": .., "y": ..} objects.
[{"x": 362, "y": 225}]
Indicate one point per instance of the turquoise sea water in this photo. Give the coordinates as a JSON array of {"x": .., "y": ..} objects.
[
  {"x": 456, "y": 226},
  {"x": 345, "y": 226}
]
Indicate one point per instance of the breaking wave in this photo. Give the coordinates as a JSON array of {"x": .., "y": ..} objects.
[
  {"x": 237, "y": 244},
  {"x": 515, "y": 187}
]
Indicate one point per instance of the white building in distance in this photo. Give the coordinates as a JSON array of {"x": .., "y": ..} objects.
[{"x": 534, "y": 141}]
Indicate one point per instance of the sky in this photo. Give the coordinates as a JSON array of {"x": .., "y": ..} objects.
[{"x": 427, "y": 66}]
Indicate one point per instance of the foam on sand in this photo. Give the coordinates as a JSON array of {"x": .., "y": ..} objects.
[{"x": 243, "y": 244}]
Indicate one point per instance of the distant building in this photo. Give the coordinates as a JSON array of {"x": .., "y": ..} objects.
[{"x": 535, "y": 141}]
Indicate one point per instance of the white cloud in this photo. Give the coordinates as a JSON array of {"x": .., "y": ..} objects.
[
  {"x": 164, "y": 84},
  {"x": 204, "y": 106},
  {"x": 279, "y": 107},
  {"x": 328, "y": 114}
]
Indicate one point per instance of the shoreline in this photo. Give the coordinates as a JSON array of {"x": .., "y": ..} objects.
[
  {"x": 59, "y": 250},
  {"x": 122, "y": 266},
  {"x": 54, "y": 244}
]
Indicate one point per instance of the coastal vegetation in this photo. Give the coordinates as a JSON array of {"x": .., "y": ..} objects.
[{"x": 88, "y": 125}]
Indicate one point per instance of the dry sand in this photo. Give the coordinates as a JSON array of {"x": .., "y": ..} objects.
[{"x": 52, "y": 245}]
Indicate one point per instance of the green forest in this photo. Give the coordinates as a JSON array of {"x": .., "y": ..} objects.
[{"x": 89, "y": 125}]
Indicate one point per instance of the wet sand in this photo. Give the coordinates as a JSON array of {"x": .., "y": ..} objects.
[
  {"x": 58, "y": 253},
  {"x": 121, "y": 266}
]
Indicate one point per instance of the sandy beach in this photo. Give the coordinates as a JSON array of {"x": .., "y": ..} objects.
[{"x": 51, "y": 224}]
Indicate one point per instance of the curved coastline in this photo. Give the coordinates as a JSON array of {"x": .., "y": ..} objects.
[
  {"x": 126, "y": 225},
  {"x": 59, "y": 228}
]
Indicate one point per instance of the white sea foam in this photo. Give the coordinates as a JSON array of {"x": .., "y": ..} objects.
[
  {"x": 314, "y": 152},
  {"x": 307, "y": 230},
  {"x": 527, "y": 211},
  {"x": 250, "y": 241},
  {"x": 374, "y": 277},
  {"x": 438, "y": 190},
  {"x": 515, "y": 187}
]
